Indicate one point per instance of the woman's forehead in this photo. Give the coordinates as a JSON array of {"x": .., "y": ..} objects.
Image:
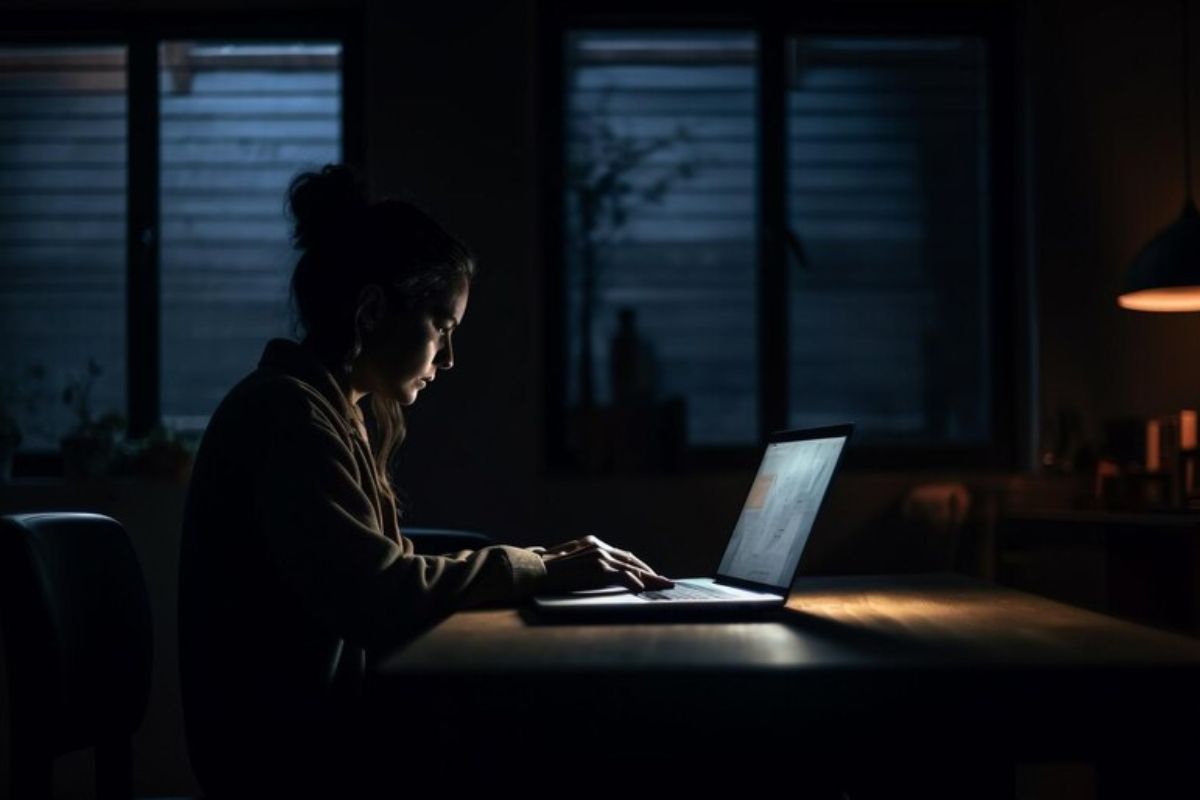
[{"x": 449, "y": 300}]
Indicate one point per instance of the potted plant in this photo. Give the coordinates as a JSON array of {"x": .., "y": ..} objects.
[
  {"x": 88, "y": 449},
  {"x": 162, "y": 453},
  {"x": 611, "y": 176},
  {"x": 20, "y": 401}
]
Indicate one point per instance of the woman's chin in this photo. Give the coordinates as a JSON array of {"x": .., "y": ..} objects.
[
  {"x": 401, "y": 395},
  {"x": 405, "y": 393}
]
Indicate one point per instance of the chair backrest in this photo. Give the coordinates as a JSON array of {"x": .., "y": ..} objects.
[
  {"x": 935, "y": 515},
  {"x": 78, "y": 637}
]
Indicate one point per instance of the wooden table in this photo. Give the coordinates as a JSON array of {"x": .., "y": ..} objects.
[{"x": 874, "y": 682}]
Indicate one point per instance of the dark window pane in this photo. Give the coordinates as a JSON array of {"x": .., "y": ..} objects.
[
  {"x": 888, "y": 195},
  {"x": 62, "y": 233},
  {"x": 238, "y": 122},
  {"x": 661, "y": 202}
]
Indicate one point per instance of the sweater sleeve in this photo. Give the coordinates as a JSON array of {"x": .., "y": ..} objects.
[{"x": 323, "y": 533}]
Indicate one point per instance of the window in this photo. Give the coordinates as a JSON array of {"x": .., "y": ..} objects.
[
  {"x": 142, "y": 213},
  {"x": 887, "y": 198},
  {"x": 237, "y": 123},
  {"x": 796, "y": 224},
  {"x": 63, "y": 182},
  {"x": 661, "y": 218}
]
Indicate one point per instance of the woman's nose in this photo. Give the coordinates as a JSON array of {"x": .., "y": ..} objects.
[{"x": 446, "y": 357}]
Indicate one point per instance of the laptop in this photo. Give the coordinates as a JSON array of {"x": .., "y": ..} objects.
[{"x": 763, "y": 553}]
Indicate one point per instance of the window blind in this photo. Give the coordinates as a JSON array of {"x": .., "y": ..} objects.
[
  {"x": 238, "y": 122},
  {"x": 888, "y": 195},
  {"x": 685, "y": 264},
  {"x": 63, "y": 119}
]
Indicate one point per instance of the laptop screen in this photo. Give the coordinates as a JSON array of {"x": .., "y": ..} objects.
[{"x": 780, "y": 511}]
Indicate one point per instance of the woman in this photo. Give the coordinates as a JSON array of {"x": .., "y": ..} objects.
[{"x": 293, "y": 569}]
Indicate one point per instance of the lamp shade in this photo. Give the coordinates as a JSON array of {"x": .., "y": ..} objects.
[{"x": 1165, "y": 276}]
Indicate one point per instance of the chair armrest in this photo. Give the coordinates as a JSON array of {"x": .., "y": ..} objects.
[{"x": 438, "y": 541}]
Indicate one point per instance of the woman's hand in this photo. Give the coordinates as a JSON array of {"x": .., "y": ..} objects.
[{"x": 589, "y": 563}]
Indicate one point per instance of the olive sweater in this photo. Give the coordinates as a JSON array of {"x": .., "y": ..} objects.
[{"x": 294, "y": 574}]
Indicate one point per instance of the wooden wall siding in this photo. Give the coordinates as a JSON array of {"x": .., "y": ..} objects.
[
  {"x": 62, "y": 225},
  {"x": 231, "y": 143},
  {"x": 888, "y": 195},
  {"x": 686, "y": 265}
]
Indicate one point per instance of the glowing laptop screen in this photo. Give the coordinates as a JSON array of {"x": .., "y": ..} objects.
[{"x": 780, "y": 511}]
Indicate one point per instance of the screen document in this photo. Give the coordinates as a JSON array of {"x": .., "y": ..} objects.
[{"x": 779, "y": 513}]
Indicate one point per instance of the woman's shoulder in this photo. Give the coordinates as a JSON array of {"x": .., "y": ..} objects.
[{"x": 276, "y": 400}]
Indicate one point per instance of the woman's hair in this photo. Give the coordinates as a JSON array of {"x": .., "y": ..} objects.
[{"x": 347, "y": 242}]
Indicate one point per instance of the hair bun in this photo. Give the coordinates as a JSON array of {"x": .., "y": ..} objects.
[{"x": 325, "y": 207}]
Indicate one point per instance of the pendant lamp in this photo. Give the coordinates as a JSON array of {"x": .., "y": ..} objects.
[{"x": 1165, "y": 276}]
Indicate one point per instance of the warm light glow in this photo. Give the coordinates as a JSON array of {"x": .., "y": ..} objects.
[
  {"x": 1173, "y": 298},
  {"x": 898, "y": 607}
]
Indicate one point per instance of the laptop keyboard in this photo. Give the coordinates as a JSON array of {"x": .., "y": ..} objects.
[{"x": 686, "y": 592}]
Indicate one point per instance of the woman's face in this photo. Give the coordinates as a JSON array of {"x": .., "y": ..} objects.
[{"x": 403, "y": 353}]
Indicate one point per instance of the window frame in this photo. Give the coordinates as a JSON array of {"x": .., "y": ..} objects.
[
  {"x": 1013, "y": 413},
  {"x": 142, "y": 33}
]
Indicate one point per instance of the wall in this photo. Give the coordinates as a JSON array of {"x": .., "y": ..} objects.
[
  {"x": 1106, "y": 91},
  {"x": 1104, "y": 141},
  {"x": 474, "y": 453}
]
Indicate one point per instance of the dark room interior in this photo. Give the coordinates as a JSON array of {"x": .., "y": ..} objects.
[{"x": 695, "y": 224}]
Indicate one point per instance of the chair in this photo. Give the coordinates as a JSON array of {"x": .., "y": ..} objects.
[
  {"x": 933, "y": 518},
  {"x": 76, "y": 619},
  {"x": 438, "y": 541}
]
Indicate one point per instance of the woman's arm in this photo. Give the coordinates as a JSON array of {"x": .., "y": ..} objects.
[{"x": 323, "y": 533}]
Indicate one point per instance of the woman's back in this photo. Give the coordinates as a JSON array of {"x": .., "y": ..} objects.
[{"x": 261, "y": 674}]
